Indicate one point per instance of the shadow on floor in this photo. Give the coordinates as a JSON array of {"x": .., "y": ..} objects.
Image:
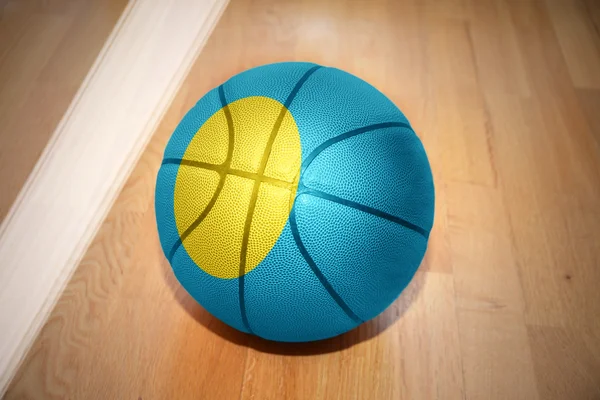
[{"x": 364, "y": 332}]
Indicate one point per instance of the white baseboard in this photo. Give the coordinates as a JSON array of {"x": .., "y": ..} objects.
[{"x": 88, "y": 159}]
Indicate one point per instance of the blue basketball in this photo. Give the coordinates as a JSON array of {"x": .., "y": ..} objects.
[{"x": 294, "y": 202}]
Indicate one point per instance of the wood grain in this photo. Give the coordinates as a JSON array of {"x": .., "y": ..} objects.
[
  {"x": 46, "y": 50},
  {"x": 505, "y": 305}
]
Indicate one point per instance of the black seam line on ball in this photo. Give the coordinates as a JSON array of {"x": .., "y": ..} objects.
[
  {"x": 219, "y": 168},
  {"x": 255, "y": 189},
  {"x": 318, "y": 273},
  {"x": 366, "y": 209},
  {"x": 319, "y": 149},
  {"x": 221, "y": 183}
]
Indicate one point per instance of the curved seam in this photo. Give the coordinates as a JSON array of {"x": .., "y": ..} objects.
[
  {"x": 318, "y": 273},
  {"x": 366, "y": 209},
  {"x": 304, "y": 190},
  {"x": 244, "y": 254},
  {"x": 221, "y": 183},
  {"x": 365, "y": 129},
  {"x": 255, "y": 190},
  {"x": 198, "y": 220}
]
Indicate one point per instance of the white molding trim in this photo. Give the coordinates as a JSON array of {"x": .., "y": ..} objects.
[{"x": 91, "y": 154}]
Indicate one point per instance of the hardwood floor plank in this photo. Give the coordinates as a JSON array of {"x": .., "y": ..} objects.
[
  {"x": 590, "y": 103},
  {"x": 578, "y": 41},
  {"x": 460, "y": 111},
  {"x": 499, "y": 66},
  {"x": 565, "y": 369},
  {"x": 480, "y": 235},
  {"x": 496, "y": 357}
]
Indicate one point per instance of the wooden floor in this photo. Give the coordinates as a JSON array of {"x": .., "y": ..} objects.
[
  {"x": 506, "y": 97},
  {"x": 46, "y": 50}
]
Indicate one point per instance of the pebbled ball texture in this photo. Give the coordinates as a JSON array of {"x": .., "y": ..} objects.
[{"x": 294, "y": 202}]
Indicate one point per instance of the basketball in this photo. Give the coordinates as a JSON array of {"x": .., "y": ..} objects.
[{"x": 294, "y": 202}]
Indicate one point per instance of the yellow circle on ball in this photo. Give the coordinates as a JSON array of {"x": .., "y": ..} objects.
[{"x": 236, "y": 185}]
